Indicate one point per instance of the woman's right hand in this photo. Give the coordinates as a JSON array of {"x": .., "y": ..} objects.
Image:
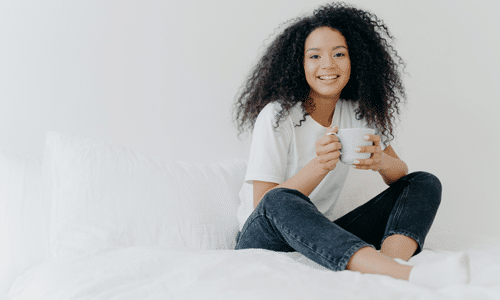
[{"x": 327, "y": 149}]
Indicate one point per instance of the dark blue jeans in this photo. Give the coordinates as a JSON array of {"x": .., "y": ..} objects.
[{"x": 286, "y": 220}]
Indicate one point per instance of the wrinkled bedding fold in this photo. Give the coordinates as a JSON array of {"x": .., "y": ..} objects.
[{"x": 158, "y": 273}]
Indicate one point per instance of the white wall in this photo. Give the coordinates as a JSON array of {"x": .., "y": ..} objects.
[{"x": 161, "y": 77}]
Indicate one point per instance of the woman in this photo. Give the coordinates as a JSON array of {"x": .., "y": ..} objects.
[{"x": 334, "y": 69}]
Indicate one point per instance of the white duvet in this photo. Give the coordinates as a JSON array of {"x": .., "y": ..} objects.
[
  {"x": 121, "y": 225},
  {"x": 157, "y": 273}
]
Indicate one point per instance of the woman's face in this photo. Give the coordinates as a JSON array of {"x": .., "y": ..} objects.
[{"x": 326, "y": 63}]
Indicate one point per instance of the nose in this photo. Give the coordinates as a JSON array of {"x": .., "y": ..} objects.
[{"x": 328, "y": 61}]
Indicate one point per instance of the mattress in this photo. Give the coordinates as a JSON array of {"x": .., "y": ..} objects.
[{"x": 158, "y": 273}]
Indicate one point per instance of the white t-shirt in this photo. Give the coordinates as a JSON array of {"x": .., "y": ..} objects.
[{"x": 277, "y": 154}]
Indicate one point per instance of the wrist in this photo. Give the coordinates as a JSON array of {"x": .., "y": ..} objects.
[
  {"x": 318, "y": 167},
  {"x": 392, "y": 167},
  {"x": 384, "y": 163}
]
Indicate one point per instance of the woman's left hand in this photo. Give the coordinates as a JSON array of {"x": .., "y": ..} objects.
[{"x": 375, "y": 161}]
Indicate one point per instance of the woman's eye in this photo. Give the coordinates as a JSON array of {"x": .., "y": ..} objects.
[
  {"x": 314, "y": 56},
  {"x": 339, "y": 54}
]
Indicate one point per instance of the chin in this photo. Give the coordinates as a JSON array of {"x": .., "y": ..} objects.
[{"x": 329, "y": 95}]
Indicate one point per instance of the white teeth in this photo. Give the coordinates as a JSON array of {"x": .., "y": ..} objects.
[{"x": 328, "y": 77}]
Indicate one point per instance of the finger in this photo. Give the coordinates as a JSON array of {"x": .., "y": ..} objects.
[
  {"x": 374, "y": 138},
  {"x": 329, "y": 162},
  {"x": 368, "y": 149},
  {"x": 332, "y": 130},
  {"x": 327, "y": 139},
  {"x": 328, "y": 156},
  {"x": 363, "y": 162},
  {"x": 332, "y": 147},
  {"x": 333, "y": 138},
  {"x": 361, "y": 167},
  {"x": 333, "y": 161},
  {"x": 365, "y": 168},
  {"x": 334, "y": 156},
  {"x": 367, "y": 164}
]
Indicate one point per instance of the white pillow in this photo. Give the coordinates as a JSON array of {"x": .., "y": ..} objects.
[
  {"x": 23, "y": 225},
  {"x": 106, "y": 196}
]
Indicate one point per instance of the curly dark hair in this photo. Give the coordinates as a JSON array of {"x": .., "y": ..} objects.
[{"x": 374, "y": 83}]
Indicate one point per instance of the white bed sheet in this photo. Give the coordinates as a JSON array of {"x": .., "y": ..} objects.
[{"x": 155, "y": 273}]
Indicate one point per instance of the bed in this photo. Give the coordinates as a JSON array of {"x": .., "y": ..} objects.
[{"x": 93, "y": 220}]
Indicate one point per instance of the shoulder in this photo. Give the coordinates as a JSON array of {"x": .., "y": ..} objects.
[
  {"x": 273, "y": 112},
  {"x": 268, "y": 118}
]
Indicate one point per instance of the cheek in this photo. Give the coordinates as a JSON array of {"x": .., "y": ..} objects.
[
  {"x": 309, "y": 70},
  {"x": 347, "y": 67},
  {"x": 347, "y": 72}
]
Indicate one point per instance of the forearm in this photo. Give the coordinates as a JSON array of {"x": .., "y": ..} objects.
[
  {"x": 392, "y": 169},
  {"x": 305, "y": 181}
]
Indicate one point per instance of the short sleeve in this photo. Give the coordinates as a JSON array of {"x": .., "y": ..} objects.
[{"x": 269, "y": 147}]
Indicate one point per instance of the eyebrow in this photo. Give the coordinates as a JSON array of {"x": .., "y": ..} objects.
[{"x": 317, "y": 49}]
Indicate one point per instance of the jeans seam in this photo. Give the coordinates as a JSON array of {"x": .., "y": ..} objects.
[
  {"x": 244, "y": 229},
  {"x": 399, "y": 209},
  {"x": 349, "y": 253},
  {"x": 404, "y": 196}
]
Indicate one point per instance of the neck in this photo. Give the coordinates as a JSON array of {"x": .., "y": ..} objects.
[{"x": 321, "y": 109}]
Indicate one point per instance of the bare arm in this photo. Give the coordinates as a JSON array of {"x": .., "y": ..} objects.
[
  {"x": 392, "y": 167},
  {"x": 306, "y": 180}
]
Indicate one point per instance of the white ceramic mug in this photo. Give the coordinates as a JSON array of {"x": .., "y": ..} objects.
[{"x": 352, "y": 138}]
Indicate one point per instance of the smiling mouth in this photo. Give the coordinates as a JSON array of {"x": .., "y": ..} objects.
[{"x": 329, "y": 77}]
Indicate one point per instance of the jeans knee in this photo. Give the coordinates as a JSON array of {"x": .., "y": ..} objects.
[
  {"x": 278, "y": 198},
  {"x": 432, "y": 181},
  {"x": 272, "y": 198},
  {"x": 430, "y": 184}
]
